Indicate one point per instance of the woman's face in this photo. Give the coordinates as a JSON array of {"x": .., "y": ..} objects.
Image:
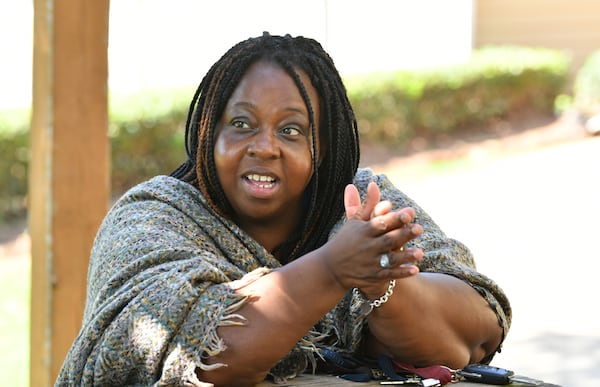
[{"x": 263, "y": 148}]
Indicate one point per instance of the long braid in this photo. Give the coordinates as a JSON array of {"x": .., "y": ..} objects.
[{"x": 338, "y": 134}]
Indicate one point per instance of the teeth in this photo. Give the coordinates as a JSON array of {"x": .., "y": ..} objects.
[
  {"x": 264, "y": 181},
  {"x": 260, "y": 178}
]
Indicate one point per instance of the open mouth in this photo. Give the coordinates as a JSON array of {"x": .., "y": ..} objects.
[{"x": 261, "y": 181}]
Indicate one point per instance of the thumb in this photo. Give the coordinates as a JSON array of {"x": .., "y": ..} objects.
[
  {"x": 351, "y": 200},
  {"x": 352, "y": 203},
  {"x": 371, "y": 201}
]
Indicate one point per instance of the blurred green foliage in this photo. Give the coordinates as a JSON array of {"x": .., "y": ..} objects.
[
  {"x": 14, "y": 148},
  {"x": 586, "y": 88},
  {"x": 147, "y": 135},
  {"x": 146, "y": 128},
  {"x": 495, "y": 83},
  {"x": 146, "y": 138}
]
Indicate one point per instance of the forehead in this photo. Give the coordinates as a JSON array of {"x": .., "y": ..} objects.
[{"x": 268, "y": 77}]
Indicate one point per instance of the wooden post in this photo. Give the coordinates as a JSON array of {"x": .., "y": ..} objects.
[{"x": 69, "y": 173}]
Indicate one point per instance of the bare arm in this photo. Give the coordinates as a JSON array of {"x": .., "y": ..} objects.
[
  {"x": 434, "y": 319},
  {"x": 288, "y": 302},
  {"x": 285, "y": 304},
  {"x": 430, "y": 319}
]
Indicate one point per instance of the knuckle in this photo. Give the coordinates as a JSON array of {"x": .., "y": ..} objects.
[{"x": 387, "y": 241}]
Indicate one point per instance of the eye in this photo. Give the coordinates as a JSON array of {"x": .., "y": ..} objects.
[
  {"x": 291, "y": 131},
  {"x": 240, "y": 124}
]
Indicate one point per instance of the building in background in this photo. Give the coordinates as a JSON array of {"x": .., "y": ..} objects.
[
  {"x": 569, "y": 25},
  {"x": 161, "y": 44}
]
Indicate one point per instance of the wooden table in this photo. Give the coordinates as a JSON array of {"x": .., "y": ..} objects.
[{"x": 325, "y": 380}]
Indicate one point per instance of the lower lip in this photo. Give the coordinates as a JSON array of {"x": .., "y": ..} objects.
[{"x": 258, "y": 190}]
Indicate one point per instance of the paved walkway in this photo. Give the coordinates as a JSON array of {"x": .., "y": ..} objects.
[{"x": 532, "y": 222}]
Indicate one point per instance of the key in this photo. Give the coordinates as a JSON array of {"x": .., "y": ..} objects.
[
  {"x": 431, "y": 382},
  {"x": 409, "y": 381},
  {"x": 526, "y": 380},
  {"x": 483, "y": 373}
]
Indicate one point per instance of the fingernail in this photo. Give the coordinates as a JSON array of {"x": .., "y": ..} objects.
[
  {"x": 404, "y": 217},
  {"x": 412, "y": 270}
]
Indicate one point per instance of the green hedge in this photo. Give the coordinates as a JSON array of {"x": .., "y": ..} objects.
[
  {"x": 146, "y": 129},
  {"x": 586, "y": 88},
  {"x": 398, "y": 106},
  {"x": 146, "y": 134},
  {"x": 14, "y": 148}
]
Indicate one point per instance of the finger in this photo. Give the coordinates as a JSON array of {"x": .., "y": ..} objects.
[
  {"x": 402, "y": 264},
  {"x": 395, "y": 219},
  {"x": 408, "y": 256},
  {"x": 388, "y": 221},
  {"x": 371, "y": 201},
  {"x": 405, "y": 256},
  {"x": 397, "y": 272},
  {"x": 351, "y": 200},
  {"x": 403, "y": 271},
  {"x": 382, "y": 208},
  {"x": 395, "y": 239},
  {"x": 406, "y": 215}
]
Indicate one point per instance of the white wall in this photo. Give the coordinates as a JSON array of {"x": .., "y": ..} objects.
[
  {"x": 16, "y": 49},
  {"x": 163, "y": 43}
]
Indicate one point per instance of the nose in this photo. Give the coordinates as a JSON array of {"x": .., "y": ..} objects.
[{"x": 264, "y": 145}]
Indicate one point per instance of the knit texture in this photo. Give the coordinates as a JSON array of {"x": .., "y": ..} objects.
[{"x": 162, "y": 278}]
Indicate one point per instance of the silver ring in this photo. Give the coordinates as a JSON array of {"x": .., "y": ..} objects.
[{"x": 384, "y": 261}]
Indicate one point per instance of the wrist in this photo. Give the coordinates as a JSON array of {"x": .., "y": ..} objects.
[
  {"x": 375, "y": 303},
  {"x": 331, "y": 278},
  {"x": 374, "y": 292}
]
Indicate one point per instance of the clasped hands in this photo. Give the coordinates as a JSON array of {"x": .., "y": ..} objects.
[{"x": 372, "y": 230}]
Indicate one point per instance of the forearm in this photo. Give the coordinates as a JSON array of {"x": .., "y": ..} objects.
[
  {"x": 284, "y": 305},
  {"x": 434, "y": 319}
]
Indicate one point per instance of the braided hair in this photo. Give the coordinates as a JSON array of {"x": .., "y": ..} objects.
[{"x": 337, "y": 130}]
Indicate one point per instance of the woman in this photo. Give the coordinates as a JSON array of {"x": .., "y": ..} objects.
[{"x": 269, "y": 244}]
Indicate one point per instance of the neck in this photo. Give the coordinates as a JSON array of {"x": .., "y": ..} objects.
[{"x": 270, "y": 234}]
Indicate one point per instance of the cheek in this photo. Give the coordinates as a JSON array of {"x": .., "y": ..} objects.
[
  {"x": 224, "y": 157},
  {"x": 221, "y": 148},
  {"x": 224, "y": 150},
  {"x": 304, "y": 166}
]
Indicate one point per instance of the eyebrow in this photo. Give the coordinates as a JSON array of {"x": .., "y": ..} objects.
[
  {"x": 254, "y": 107},
  {"x": 245, "y": 104}
]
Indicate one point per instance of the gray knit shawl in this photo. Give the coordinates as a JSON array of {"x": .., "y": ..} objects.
[{"x": 162, "y": 278}]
